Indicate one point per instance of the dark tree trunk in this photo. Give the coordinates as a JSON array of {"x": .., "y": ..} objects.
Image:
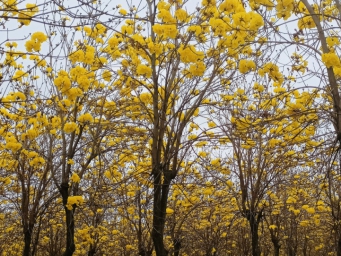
[
  {"x": 276, "y": 244},
  {"x": 159, "y": 209},
  {"x": 177, "y": 247},
  {"x": 70, "y": 233},
  {"x": 144, "y": 252},
  {"x": 254, "y": 223},
  {"x": 92, "y": 250},
  {"x": 28, "y": 229},
  {"x": 70, "y": 222},
  {"x": 36, "y": 240}
]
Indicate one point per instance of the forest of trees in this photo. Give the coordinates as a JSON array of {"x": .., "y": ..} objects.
[{"x": 176, "y": 127}]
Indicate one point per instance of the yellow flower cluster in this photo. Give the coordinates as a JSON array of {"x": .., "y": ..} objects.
[
  {"x": 74, "y": 201},
  {"x": 62, "y": 81},
  {"x": 284, "y": 8},
  {"x": 87, "y": 56},
  {"x": 82, "y": 77},
  {"x": 218, "y": 26},
  {"x": 85, "y": 235},
  {"x": 250, "y": 21},
  {"x": 181, "y": 15},
  {"x": 246, "y": 65},
  {"x": 98, "y": 31},
  {"x": 306, "y": 22},
  {"x": 12, "y": 144},
  {"x": 169, "y": 211},
  {"x": 331, "y": 60},
  {"x": 165, "y": 31},
  {"x": 143, "y": 70},
  {"x": 70, "y": 127},
  {"x": 75, "y": 178},
  {"x": 123, "y": 12},
  {"x": 19, "y": 74},
  {"x": 77, "y": 56},
  {"x": 146, "y": 98},
  {"x": 5, "y": 181},
  {"x": 273, "y": 72},
  {"x": 85, "y": 118},
  {"x": 26, "y": 15},
  {"x": 106, "y": 75},
  {"x": 197, "y": 69},
  {"x": 34, "y": 44},
  {"x": 37, "y": 161},
  {"x": 230, "y": 6},
  {"x": 332, "y": 41},
  {"x": 166, "y": 16},
  {"x": 189, "y": 54}
]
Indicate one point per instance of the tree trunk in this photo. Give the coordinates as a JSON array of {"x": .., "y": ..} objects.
[
  {"x": 276, "y": 244},
  {"x": 338, "y": 250},
  {"x": 177, "y": 247},
  {"x": 70, "y": 233},
  {"x": 159, "y": 210},
  {"x": 92, "y": 250},
  {"x": 27, "y": 239},
  {"x": 36, "y": 240},
  {"x": 144, "y": 252},
  {"x": 254, "y": 234},
  {"x": 70, "y": 222},
  {"x": 291, "y": 252}
]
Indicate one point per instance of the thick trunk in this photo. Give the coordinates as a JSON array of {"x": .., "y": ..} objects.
[
  {"x": 70, "y": 223},
  {"x": 254, "y": 234},
  {"x": 70, "y": 233},
  {"x": 159, "y": 211},
  {"x": 177, "y": 247},
  {"x": 28, "y": 239}
]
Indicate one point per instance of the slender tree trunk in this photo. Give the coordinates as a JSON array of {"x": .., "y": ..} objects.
[
  {"x": 28, "y": 229},
  {"x": 92, "y": 250},
  {"x": 142, "y": 250},
  {"x": 254, "y": 234},
  {"x": 159, "y": 209},
  {"x": 291, "y": 252},
  {"x": 70, "y": 222},
  {"x": 338, "y": 250},
  {"x": 70, "y": 233},
  {"x": 36, "y": 240},
  {"x": 276, "y": 244}
]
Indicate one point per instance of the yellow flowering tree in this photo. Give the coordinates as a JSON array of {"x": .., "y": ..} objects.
[
  {"x": 57, "y": 131},
  {"x": 173, "y": 77}
]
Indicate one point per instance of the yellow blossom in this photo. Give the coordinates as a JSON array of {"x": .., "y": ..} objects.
[
  {"x": 87, "y": 117},
  {"x": 75, "y": 178},
  {"x": 70, "y": 127}
]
